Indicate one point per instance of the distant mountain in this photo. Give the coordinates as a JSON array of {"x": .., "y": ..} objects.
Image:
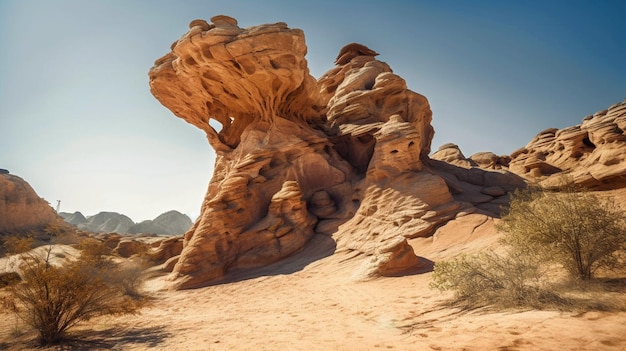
[
  {"x": 75, "y": 218},
  {"x": 168, "y": 223},
  {"x": 107, "y": 222}
]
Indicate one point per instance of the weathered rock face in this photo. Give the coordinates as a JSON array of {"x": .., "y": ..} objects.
[
  {"x": 345, "y": 156},
  {"x": 591, "y": 154},
  {"x": 270, "y": 162},
  {"x": 21, "y": 209}
]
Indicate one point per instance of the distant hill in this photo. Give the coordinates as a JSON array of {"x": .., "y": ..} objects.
[
  {"x": 21, "y": 210},
  {"x": 75, "y": 218},
  {"x": 168, "y": 223}
]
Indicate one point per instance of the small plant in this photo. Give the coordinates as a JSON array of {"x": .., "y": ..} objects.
[
  {"x": 17, "y": 245},
  {"x": 53, "y": 299},
  {"x": 572, "y": 228},
  {"x": 542, "y": 231},
  {"x": 9, "y": 278},
  {"x": 487, "y": 278}
]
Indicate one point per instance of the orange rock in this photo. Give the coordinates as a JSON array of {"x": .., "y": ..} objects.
[
  {"x": 344, "y": 156},
  {"x": 22, "y": 210}
]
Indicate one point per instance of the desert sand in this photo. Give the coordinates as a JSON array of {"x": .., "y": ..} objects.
[{"x": 314, "y": 301}]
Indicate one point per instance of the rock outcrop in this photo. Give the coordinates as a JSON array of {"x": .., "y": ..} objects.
[
  {"x": 591, "y": 154},
  {"x": 344, "y": 156},
  {"x": 21, "y": 209}
]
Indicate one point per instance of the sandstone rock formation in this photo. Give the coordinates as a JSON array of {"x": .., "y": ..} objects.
[
  {"x": 345, "y": 156},
  {"x": 21, "y": 209},
  {"x": 591, "y": 154}
]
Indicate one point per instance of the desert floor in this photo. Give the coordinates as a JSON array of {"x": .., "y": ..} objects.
[{"x": 314, "y": 301}]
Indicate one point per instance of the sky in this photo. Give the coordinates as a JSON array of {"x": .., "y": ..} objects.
[{"x": 78, "y": 122}]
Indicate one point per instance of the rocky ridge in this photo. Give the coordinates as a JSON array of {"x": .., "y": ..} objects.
[
  {"x": 345, "y": 156},
  {"x": 591, "y": 154},
  {"x": 168, "y": 223}
]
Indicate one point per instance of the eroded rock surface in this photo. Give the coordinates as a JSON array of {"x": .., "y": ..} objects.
[
  {"x": 591, "y": 154},
  {"x": 344, "y": 156}
]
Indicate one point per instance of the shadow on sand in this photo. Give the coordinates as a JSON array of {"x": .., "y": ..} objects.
[{"x": 116, "y": 338}]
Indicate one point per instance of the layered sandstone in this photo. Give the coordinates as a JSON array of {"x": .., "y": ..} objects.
[
  {"x": 591, "y": 154},
  {"x": 344, "y": 156}
]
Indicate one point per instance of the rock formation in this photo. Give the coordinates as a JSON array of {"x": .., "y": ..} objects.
[
  {"x": 591, "y": 154},
  {"x": 344, "y": 156},
  {"x": 21, "y": 209}
]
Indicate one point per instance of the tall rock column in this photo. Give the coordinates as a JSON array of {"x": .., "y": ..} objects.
[{"x": 270, "y": 161}]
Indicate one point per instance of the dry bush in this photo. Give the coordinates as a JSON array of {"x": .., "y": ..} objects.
[
  {"x": 514, "y": 280},
  {"x": 17, "y": 245},
  {"x": 93, "y": 249},
  {"x": 573, "y": 228},
  {"x": 52, "y": 299},
  {"x": 8, "y": 279},
  {"x": 545, "y": 232}
]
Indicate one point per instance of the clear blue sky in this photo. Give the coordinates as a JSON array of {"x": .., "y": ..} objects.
[{"x": 78, "y": 122}]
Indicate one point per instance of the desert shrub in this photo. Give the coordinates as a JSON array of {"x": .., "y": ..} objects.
[
  {"x": 514, "y": 280},
  {"x": 573, "y": 228},
  {"x": 8, "y": 279},
  {"x": 52, "y": 299},
  {"x": 542, "y": 232},
  {"x": 17, "y": 245},
  {"x": 129, "y": 277},
  {"x": 93, "y": 249}
]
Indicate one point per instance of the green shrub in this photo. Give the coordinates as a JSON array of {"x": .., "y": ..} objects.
[
  {"x": 542, "y": 233},
  {"x": 575, "y": 229}
]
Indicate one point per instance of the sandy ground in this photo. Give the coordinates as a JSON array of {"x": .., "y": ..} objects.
[{"x": 313, "y": 302}]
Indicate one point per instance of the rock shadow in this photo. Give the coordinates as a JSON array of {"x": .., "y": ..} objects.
[
  {"x": 320, "y": 246},
  {"x": 425, "y": 266},
  {"x": 487, "y": 190}
]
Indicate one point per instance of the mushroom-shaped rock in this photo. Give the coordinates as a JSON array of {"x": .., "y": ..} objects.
[{"x": 344, "y": 156}]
